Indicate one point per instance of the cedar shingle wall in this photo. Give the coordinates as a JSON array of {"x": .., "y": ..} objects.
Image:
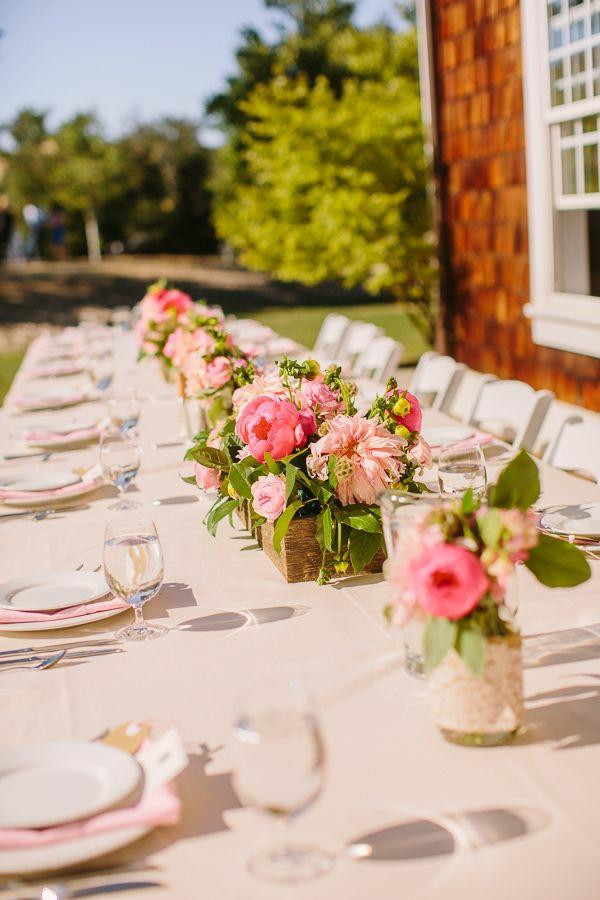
[{"x": 484, "y": 201}]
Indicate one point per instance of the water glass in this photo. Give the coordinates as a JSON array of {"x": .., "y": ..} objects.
[
  {"x": 461, "y": 469},
  {"x": 120, "y": 457},
  {"x": 134, "y": 571},
  {"x": 124, "y": 411},
  {"x": 279, "y": 765},
  {"x": 101, "y": 368}
]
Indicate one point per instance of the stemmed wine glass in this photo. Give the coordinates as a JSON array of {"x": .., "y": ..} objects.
[
  {"x": 120, "y": 457},
  {"x": 461, "y": 469},
  {"x": 279, "y": 769},
  {"x": 124, "y": 411},
  {"x": 101, "y": 369},
  {"x": 134, "y": 570}
]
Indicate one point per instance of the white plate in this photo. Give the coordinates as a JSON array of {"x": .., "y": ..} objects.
[
  {"x": 67, "y": 427},
  {"x": 59, "y": 624},
  {"x": 50, "y": 402},
  {"x": 86, "y": 487},
  {"x": 37, "y": 479},
  {"x": 581, "y": 519},
  {"x": 442, "y": 435},
  {"x": 68, "y": 853},
  {"x": 43, "y": 785},
  {"x": 52, "y": 590}
]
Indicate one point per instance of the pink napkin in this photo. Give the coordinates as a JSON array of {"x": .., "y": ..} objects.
[
  {"x": 480, "y": 437},
  {"x": 34, "y": 401},
  {"x": 161, "y": 806},
  {"x": 57, "y": 494},
  {"x": 47, "y": 371},
  {"x": 60, "y": 437},
  {"x": 20, "y": 616}
]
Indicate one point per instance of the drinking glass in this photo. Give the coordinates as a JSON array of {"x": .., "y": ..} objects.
[
  {"x": 134, "y": 569},
  {"x": 279, "y": 763},
  {"x": 120, "y": 456},
  {"x": 101, "y": 369},
  {"x": 461, "y": 469},
  {"x": 124, "y": 411}
]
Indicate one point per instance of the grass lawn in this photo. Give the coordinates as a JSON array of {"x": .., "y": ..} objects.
[
  {"x": 302, "y": 323},
  {"x": 9, "y": 363}
]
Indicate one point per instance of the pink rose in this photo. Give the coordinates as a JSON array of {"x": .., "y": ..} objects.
[
  {"x": 173, "y": 300},
  {"x": 274, "y": 426},
  {"x": 414, "y": 417},
  {"x": 448, "y": 581},
  {"x": 268, "y": 496},
  {"x": 218, "y": 372},
  {"x": 318, "y": 396},
  {"x": 206, "y": 478}
]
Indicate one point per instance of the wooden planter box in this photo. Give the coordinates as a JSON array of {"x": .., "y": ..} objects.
[
  {"x": 243, "y": 516},
  {"x": 301, "y": 557}
]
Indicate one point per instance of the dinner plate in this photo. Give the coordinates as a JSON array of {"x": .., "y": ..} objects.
[
  {"x": 86, "y": 487},
  {"x": 48, "y": 591},
  {"x": 67, "y": 427},
  {"x": 37, "y": 479},
  {"x": 49, "y": 784},
  {"x": 442, "y": 435},
  {"x": 581, "y": 519},
  {"x": 35, "y": 404},
  {"x": 59, "y": 624}
]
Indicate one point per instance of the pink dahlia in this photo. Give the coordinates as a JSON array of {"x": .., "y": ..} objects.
[
  {"x": 274, "y": 426},
  {"x": 369, "y": 458}
]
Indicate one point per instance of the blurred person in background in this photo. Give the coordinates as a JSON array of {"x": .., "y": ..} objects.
[
  {"x": 6, "y": 227},
  {"x": 58, "y": 232},
  {"x": 34, "y": 219}
]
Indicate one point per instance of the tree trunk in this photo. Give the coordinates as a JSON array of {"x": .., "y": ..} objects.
[{"x": 92, "y": 237}]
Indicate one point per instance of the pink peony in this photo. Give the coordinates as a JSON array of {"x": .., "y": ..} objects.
[
  {"x": 268, "y": 496},
  {"x": 267, "y": 384},
  {"x": 318, "y": 396},
  {"x": 206, "y": 478},
  {"x": 368, "y": 457},
  {"x": 218, "y": 372},
  {"x": 181, "y": 343},
  {"x": 448, "y": 581},
  {"x": 274, "y": 426},
  {"x": 172, "y": 300},
  {"x": 413, "y": 419}
]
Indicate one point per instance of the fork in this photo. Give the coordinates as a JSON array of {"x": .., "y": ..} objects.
[{"x": 47, "y": 663}]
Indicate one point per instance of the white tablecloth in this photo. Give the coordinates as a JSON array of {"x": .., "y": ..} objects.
[{"x": 387, "y": 764}]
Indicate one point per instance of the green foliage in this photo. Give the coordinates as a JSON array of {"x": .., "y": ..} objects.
[
  {"x": 518, "y": 485},
  {"x": 557, "y": 563},
  {"x": 440, "y": 635},
  {"x": 363, "y": 546}
]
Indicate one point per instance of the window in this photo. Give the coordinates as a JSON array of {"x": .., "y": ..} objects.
[{"x": 561, "y": 61}]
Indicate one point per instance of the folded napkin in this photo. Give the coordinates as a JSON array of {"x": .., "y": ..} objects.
[
  {"x": 46, "y": 401},
  {"x": 160, "y": 806},
  {"x": 91, "y": 480},
  {"x": 70, "y": 368},
  {"x": 21, "y": 616},
  {"x": 41, "y": 435},
  {"x": 480, "y": 437}
]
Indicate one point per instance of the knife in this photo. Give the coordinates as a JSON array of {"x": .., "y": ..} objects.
[
  {"x": 65, "y": 645},
  {"x": 37, "y": 511},
  {"x": 59, "y": 891},
  {"x": 84, "y": 654}
]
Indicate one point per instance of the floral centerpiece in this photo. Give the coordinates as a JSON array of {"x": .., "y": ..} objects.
[
  {"x": 453, "y": 567},
  {"x": 296, "y": 450}
]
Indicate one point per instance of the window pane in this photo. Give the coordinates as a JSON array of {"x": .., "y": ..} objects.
[
  {"x": 597, "y": 85},
  {"x": 596, "y": 23},
  {"x": 567, "y": 128},
  {"x": 553, "y": 8},
  {"x": 577, "y": 63},
  {"x": 576, "y": 30},
  {"x": 596, "y": 57},
  {"x": 578, "y": 91},
  {"x": 555, "y": 39},
  {"x": 593, "y": 217},
  {"x": 590, "y": 168},
  {"x": 569, "y": 183},
  {"x": 573, "y": 3},
  {"x": 590, "y": 123}
]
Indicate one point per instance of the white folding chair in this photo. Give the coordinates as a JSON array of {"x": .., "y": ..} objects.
[
  {"x": 357, "y": 339},
  {"x": 511, "y": 410},
  {"x": 331, "y": 335},
  {"x": 436, "y": 380},
  {"x": 576, "y": 447},
  {"x": 379, "y": 359}
]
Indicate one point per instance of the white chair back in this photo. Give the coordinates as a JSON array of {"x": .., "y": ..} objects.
[
  {"x": 331, "y": 335},
  {"x": 356, "y": 340},
  {"x": 436, "y": 380},
  {"x": 576, "y": 447},
  {"x": 379, "y": 359},
  {"x": 512, "y": 410}
]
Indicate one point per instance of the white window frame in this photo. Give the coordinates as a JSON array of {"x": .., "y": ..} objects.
[{"x": 561, "y": 320}]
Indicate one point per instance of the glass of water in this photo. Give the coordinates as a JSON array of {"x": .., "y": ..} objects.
[
  {"x": 134, "y": 569},
  {"x": 461, "y": 469},
  {"x": 101, "y": 368},
  {"x": 120, "y": 457},
  {"x": 279, "y": 766},
  {"x": 124, "y": 411}
]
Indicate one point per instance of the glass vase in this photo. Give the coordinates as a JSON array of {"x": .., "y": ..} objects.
[{"x": 480, "y": 710}]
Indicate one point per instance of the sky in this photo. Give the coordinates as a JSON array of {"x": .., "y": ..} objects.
[{"x": 128, "y": 60}]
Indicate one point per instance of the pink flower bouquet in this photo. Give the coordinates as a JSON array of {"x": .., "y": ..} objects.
[{"x": 296, "y": 446}]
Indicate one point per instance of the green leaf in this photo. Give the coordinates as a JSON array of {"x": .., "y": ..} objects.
[
  {"x": 490, "y": 527},
  {"x": 290, "y": 480},
  {"x": 557, "y": 563},
  {"x": 363, "y": 546},
  {"x": 470, "y": 646},
  {"x": 223, "y": 507},
  {"x": 238, "y": 482},
  {"x": 469, "y": 504},
  {"x": 363, "y": 521},
  {"x": 189, "y": 479},
  {"x": 327, "y": 524},
  {"x": 209, "y": 456},
  {"x": 283, "y": 523},
  {"x": 273, "y": 466},
  {"x": 440, "y": 635},
  {"x": 518, "y": 485},
  {"x": 331, "y": 461}
]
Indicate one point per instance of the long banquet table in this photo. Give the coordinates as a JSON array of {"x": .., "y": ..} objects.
[{"x": 386, "y": 763}]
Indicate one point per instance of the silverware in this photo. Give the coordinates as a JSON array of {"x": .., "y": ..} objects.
[
  {"x": 61, "y": 645},
  {"x": 64, "y": 892},
  {"x": 45, "y": 454},
  {"x": 93, "y": 873},
  {"x": 68, "y": 654},
  {"x": 166, "y": 444},
  {"x": 39, "y": 514},
  {"x": 46, "y": 663}
]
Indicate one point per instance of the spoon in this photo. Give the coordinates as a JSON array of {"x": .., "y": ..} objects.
[{"x": 44, "y": 664}]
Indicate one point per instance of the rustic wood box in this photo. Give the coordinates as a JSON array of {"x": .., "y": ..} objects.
[
  {"x": 243, "y": 516},
  {"x": 300, "y": 558}
]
